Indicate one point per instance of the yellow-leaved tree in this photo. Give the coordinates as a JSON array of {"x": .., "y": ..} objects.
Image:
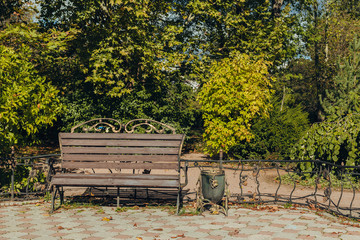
[{"x": 238, "y": 91}]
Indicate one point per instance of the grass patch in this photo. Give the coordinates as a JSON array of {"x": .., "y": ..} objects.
[
  {"x": 74, "y": 205},
  {"x": 320, "y": 182}
]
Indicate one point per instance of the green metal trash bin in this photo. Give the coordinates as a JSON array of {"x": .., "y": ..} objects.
[{"x": 213, "y": 185}]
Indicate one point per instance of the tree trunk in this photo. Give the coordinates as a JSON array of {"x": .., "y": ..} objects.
[{"x": 276, "y": 7}]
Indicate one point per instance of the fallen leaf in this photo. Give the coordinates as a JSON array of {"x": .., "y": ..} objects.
[
  {"x": 214, "y": 212},
  {"x": 60, "y": 227},
  {"x": 135, "y": 225},
  {"x": 311, "y": 207},
  {"x": 106, "y": 219},
  {"x": 273, "y": 209},
  {"x": 179, "y": 236},
  {"x": 158, "y": 229},
  {"x": 233, "y": 233},
  {"x": 139, "y": 238}
]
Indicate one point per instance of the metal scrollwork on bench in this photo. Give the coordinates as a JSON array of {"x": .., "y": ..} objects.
[
  {"x": 115, "y": 126},
  {"x": 99, "y": 125},
  {"x": 149, "y": 126}
]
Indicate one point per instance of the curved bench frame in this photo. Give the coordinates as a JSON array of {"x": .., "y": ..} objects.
[{"x": 106, "y": 144}]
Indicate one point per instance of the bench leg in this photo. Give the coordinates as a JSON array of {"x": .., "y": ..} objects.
[
  {"x": 53, "y": 196},
  {"x": 178, "y": 202},
  {"x": 118, "y": 198},
  {"x": 61, "y": 195}
]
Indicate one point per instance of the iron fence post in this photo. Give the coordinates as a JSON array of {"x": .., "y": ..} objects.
[
  {"x": 221, "y": 158},
  {"x": 13, "y": 165},
  {"x": 12, "y": 183}
]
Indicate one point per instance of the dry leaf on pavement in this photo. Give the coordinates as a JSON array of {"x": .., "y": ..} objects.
[{"x": 106, "y": 219}]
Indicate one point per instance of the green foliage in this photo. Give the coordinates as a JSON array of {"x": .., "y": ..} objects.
[
  {"x": 326, "y": 32},
  {"x": 132, "y": 62},
  {"x": 244, "y": 26},
  {"x": 14, "y": 11},
  {"x": 237, "y": 92},
  {"x": 27, "y": 102},
  {"x": 146, "y": 59},
  {"x": 124, "y": 60},
  {"x": 127, "y": 43},
  {"x": 344, "y": 97},
  {"x": 335, "y": 142},
  {"x": 320, "y": 181},
  {"x": 275, "y": 136},
  {"x": 49, "y": 52},
  {"x": 169, "y": 106},
  {"x": 25, "y": 178},
  {"x": 297, "y": 83}
]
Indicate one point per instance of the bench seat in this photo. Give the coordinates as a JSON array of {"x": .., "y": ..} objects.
[{"x": 116, "y": 179}]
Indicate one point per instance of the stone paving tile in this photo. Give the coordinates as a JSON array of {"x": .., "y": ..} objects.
[
  {"x": 13, "y": 234},
  {"x": 47, "y": 238},
  {"x": 30, "y": 236},
  {"x": 349, "y": 237},
  {"x": 286, "y": 235},
  {"x": 34, "y": 222}
]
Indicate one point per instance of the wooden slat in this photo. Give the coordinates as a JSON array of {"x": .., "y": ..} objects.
[
  {"x": 123, "y": 150},
  {"x": 121, "y": 136},
  {"x": 115, "y": 182},
  {"x": 124, "y": 143},
  {"x": 105, "y": 158},
  {"x": 120, "y": 165},
  {"x": 118, "y": 176}
]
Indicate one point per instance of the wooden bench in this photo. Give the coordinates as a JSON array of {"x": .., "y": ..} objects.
[{"x": 116, "y": 159}]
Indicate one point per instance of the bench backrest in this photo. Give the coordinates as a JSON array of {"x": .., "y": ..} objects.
[{"x": 120, "y": 150}]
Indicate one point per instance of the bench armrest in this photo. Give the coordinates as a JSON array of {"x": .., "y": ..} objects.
[
  {"x": 185, "y": 169},
  {"x": 51, "y": 170}
]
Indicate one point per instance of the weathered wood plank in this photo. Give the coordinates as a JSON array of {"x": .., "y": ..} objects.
[
  {"x": 118, "y": 176},
  {"x": 106, "y": 158},
  {"x": 119, "y": 151},
  {"x": 123, "y": 143},
  {"x": 119, "y": 165},
  {"x": 123, "y": 150},
  {"x": 95, "y": 182},
  {"x": 121, "y": 136}
]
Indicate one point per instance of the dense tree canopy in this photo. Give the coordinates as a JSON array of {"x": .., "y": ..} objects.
[{"x": 202, "y": 65}]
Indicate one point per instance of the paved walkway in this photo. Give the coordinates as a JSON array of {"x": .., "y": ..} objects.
[{"x": 33, "y": 221}]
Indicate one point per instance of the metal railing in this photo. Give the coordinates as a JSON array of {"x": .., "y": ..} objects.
[
  {"x": 29, "y": 177},
  {"x": 327, "y": 186}
]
